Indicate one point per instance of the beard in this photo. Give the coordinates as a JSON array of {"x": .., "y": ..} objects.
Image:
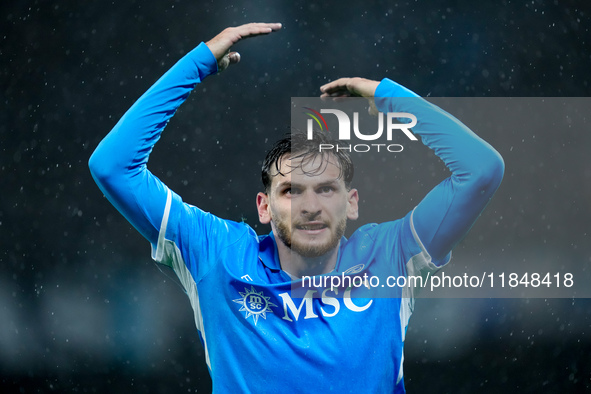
[{"x": 284, "y": 230}]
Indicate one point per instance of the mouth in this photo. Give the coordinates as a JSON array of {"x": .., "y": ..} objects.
[{"x": 311, "y": 227}]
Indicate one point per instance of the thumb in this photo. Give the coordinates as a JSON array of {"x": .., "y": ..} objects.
[
  {"x": 227, "y": 59},
  {"x": 234, "y": 57},
  {"x": 373, "y": 109}
]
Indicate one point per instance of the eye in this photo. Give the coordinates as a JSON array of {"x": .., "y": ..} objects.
[
  {"x": 290, "y": 191},
  {"x": 326, "y": 189}
]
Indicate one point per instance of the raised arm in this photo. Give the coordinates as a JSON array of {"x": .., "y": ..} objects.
[
  {"x": 118, "y": 164},
  {"x": 446, "y": 214}
]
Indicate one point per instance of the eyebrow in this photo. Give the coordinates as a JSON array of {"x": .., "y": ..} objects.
[{"x": 295, "y": 184}]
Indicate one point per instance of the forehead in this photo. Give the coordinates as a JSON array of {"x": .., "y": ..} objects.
[{"x": 308, "y": 169}]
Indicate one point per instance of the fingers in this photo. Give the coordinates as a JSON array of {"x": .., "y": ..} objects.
[
  {"x": 235, "y": 34},
  {"x": 220, "y": 45},
  {"x": 344, "y": 87},
  {"x": 335, "y": 87},
  {"x": 254, "y": 29}
]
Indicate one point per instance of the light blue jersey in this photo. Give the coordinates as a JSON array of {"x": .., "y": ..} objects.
[{"x": 258, "y": 337}]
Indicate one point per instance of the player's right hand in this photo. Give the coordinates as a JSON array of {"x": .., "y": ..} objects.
[{"x": 220, "y": 45}]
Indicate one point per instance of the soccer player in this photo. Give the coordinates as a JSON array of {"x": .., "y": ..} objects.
[{"x": 257, "y": 337}]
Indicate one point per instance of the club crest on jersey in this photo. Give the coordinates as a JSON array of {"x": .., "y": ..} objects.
[{"x": 254, "y": 304}]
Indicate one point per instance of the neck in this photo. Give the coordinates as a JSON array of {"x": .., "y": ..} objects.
[{"x": 297, "y": 265}]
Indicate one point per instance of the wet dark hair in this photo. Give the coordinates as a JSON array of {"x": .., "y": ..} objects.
[{"x": 296, "y": 145}]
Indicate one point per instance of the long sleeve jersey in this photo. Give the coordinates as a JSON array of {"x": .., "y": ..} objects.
[{"x": 257, "y": 336}]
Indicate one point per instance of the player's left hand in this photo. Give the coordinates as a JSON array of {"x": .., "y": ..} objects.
[
  {"x": 352, "y": 87},
  {"x": 349, "y": 87}
]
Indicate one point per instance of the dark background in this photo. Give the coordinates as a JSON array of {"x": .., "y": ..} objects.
[{"x": 82, "y": 306}]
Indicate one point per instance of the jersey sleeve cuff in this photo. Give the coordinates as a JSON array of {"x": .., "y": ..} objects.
[
  {"x": 204, "y": 60},
  {"x": 388, "y": 89}
]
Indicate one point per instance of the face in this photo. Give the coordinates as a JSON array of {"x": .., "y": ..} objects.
[{"x": 308, "y": 207}]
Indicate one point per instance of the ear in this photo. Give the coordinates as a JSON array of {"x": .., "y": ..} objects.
[
  {"x": 353, "y": 204},
  {"x": 263, "y": 208}
]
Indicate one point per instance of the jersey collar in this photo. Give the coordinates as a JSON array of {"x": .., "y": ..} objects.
[{"x": 269, "y": 255}]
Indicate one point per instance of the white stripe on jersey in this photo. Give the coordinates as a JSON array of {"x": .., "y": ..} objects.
[
  {"x": 159, "y": 252},
  {"x": 167, "y": 250}
]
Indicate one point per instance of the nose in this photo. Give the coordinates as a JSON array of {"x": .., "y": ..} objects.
[{"x": 310, "y": 204}]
